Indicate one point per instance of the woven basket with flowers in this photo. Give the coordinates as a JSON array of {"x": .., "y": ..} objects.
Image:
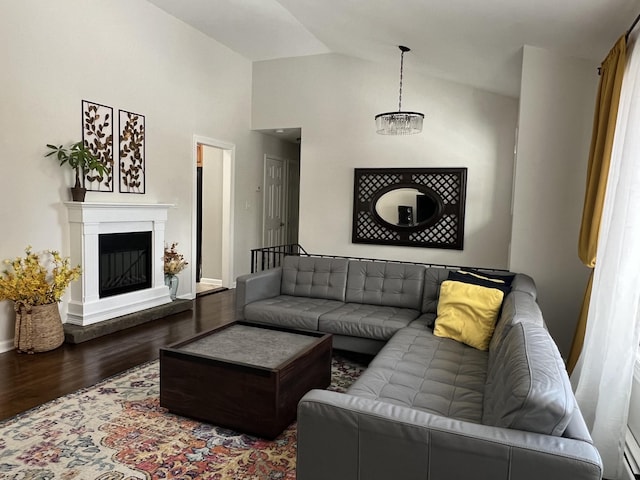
[{"x": 35, "y": 284}]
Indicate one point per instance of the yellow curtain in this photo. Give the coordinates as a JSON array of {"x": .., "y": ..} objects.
[{"x": 604, "y": 125}]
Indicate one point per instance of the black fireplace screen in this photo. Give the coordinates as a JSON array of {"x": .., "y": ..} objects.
[{"x": 125, "y": 262}]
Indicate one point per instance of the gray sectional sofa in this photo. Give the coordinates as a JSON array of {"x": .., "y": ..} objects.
[{"x": 427, "y": 407}]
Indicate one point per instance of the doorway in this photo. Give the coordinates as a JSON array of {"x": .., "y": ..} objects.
[
  {"x": 213, "y": 218},
  {"x": 281, "y": 187}
]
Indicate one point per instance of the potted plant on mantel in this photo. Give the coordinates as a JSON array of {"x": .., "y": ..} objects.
[{"x": 80, "y": 158}]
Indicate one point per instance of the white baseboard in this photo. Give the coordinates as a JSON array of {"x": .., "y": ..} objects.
[
  {"x": 6, "y": 345},
  {"x": 214, "y": 282}
]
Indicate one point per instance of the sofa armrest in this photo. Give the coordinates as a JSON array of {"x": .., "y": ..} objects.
[
  {"x": 524, "y": 283},
  {"x": 256, "y": 286},
  {"x": 344, "y": 437}
]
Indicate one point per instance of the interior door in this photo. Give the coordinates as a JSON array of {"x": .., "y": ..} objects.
[
  {"x": 275, "y": 207},
  {"x": 199, "y": 163}
]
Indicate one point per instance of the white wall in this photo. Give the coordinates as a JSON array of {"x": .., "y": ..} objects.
[
  {"x": 556, "y": 114},
  {"x": 211, "y": 213},
  {"x": 127, "y": 54},
  {"x": 335, "y": 98}
]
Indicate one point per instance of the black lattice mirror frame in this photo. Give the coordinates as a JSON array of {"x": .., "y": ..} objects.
[{"x": 443, "y": 227}]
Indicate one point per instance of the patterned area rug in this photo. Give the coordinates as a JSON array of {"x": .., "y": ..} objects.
[{"x": 116, "y": 430}]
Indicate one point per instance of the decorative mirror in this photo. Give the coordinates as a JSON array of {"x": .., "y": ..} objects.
[{"x": 417, "y": 207}]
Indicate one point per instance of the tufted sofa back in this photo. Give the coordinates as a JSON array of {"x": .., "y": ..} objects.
[
  {"x": 527, "y": 386},
  {"x": 385, "y": 283},
  {"x": 433, "y": 278},
  {"x": 314, "y": 277},
  {"x": 392, "y": 284},
  {"x": 517, "y": 307}
]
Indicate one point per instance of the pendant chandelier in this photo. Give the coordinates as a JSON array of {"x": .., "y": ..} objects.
[{"x": 399, "y": 123}]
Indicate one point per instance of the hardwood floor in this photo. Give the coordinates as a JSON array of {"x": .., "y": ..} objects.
[{"x": 30, "y": 380}]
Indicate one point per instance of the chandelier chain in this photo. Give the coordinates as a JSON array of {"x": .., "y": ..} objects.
[{"x": 400, "y": 93}]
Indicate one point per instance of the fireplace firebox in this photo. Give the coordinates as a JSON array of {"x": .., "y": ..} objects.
[{"x": 124, "y": 263}]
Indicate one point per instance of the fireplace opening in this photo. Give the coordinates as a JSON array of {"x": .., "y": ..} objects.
[{"x": 124, "y": 262}]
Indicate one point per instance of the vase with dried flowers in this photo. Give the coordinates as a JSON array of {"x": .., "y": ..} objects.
[
  {"x": 174, "y": 263},
  {"x": 35, "y": 284}
]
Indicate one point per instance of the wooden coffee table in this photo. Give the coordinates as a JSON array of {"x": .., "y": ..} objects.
[{"x": 244, "y": 376}]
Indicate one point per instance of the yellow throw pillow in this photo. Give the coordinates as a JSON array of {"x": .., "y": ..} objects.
[{"x": 467, "y": 313}]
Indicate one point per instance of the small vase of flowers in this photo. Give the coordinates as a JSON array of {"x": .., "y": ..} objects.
[
  {"x": 174, "y": 263},
  {"x": 35, "y": 284}
]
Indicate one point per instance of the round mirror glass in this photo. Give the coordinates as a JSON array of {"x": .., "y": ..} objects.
[{"x": 406, "y": 207}]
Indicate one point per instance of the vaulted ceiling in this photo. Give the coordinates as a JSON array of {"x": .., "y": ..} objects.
[{"x": 473, "y": 42}]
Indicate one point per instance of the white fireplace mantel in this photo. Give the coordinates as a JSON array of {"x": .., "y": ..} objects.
[{"x": 87, "y": 220}]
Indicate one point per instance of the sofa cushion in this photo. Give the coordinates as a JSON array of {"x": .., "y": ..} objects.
[
  {"x": 314, "y": 277},
  {"x": 527, "y": 386},
  {"x": 418, "y": 370},
  {"x": 505, "y": 277},
  {"x": 368, "y": 321},
  {"x": 424, "y": 321},
  {"x": 467, "y": 313},
  {"x": 461, "y": 276},
  {"x": 433, "y": 278},
  {"x": 517, "y": 307},
  {"x": 385, "y": 283},
  {"x": 289, "y": 311},
  {"x": 524, "y": 283}
]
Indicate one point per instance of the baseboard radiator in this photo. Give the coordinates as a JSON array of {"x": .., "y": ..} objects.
[{"x": 631, "y": 457}]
